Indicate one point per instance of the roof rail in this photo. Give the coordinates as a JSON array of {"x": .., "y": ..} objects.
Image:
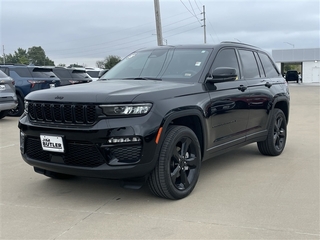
[
  {"x": 14, "y": 64},
  {"x": 240, "y": 43}
]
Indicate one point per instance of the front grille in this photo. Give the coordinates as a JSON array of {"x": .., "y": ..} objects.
[
  {"x": 80, "y": 154},
  {"x": 62, "y": 113}
]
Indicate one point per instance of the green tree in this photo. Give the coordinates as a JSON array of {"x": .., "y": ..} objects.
[
  {"x": 34, "y": 55},
  {"x": 108, "y": 62},
  {"x": 10, "y": 58},
  {"x": 75, "y": 65},
  {"x": 37, "y": 56}
]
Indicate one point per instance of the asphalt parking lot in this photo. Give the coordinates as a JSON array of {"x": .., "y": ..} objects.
[{"x": 240, "y": 195}]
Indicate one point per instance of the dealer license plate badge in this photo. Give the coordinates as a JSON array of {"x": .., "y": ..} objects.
[{"x": 52, "y": 143}]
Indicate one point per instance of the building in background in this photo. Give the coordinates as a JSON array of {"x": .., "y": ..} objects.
[{"x": 306, "y": 61}]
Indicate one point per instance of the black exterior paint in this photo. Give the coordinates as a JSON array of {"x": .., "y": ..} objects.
[{"x": 223, "y": 115}]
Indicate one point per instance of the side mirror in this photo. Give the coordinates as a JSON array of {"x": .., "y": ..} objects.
[{"x": 222, "y": 74}]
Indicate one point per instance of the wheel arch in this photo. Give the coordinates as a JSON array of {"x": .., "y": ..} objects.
[
  {"x": 192, "y": 119},
  {"x": 284, "y": 106},
  {"x": 20, "y": 93}
]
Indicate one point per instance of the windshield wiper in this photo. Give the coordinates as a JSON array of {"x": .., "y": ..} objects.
[
  {"x": 145, "y": 78},
  {"x": 132, "y": 78}
]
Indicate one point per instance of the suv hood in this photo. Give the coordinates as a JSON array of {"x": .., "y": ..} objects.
[{"x": 114, "y": 91}]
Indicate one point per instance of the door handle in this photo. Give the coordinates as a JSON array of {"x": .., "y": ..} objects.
[{"x": 242, "y": 88}]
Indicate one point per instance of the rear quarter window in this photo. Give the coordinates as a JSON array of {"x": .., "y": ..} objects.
[
  {"x": 94, "y": 74},
  {"x": 2, "y": 74},
  {"x": 79, "y": 74},
  {"x": 42, "y": 73},
  {"x": 5, "y": 70},
  {"x": 269, "y": 68},
  {"x": 62, "y": 73}
]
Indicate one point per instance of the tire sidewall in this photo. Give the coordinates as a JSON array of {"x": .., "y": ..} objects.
[
  {"x": 168, "y": 149},
  {"x": 278, "y": 113}
]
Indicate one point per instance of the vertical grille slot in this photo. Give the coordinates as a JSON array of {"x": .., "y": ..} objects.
[{"x": 62, "y": 113}]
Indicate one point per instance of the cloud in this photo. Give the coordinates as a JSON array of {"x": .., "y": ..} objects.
[{"x": 86, "y": 31}]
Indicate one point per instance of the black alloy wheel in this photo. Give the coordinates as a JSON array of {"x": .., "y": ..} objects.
[
  {"x": 178, "y": 168},
  {"x": 277, "y": 135}
]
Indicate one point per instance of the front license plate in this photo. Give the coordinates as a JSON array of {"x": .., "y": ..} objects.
[
  {"x": 2, "y": 87},
  {"x": 52, "y": 143}
]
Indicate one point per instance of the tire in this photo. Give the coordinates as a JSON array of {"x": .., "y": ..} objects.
[
  {"x": 3, "y": 114},
  {"x": 17, "y": 112},
  {"x": 178, "y": 167},
  {"x": 277, "y": 135},
  {"x": 51, "y": 174}
]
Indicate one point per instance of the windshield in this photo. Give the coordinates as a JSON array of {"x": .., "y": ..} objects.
[{"x": 162, "y": 64}]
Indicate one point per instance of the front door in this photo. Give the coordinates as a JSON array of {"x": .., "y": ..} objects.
[{"x": 228, "y": 109}]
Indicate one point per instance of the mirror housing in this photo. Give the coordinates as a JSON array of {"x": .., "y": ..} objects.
[{"x": 222, "y": 74}]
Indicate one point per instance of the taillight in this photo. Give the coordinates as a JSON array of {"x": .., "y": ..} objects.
[
  {"x": 73, "y": 81},
  {"x": 34, "y": 82}
]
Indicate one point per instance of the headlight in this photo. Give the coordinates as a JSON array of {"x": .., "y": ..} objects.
[
  {"x": 26, "y": 104},
  {"x": 126, "y": 109}
]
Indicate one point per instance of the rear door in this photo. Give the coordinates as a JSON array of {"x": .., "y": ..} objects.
[{"x": 260, "y": 89}]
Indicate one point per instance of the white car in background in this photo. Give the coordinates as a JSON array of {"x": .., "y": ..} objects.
[{"x": 95, "y": 73}]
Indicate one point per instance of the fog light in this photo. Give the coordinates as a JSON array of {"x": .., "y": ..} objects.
[
  {"x": 22, "y": 140},
  {"x": 124, "y": 139}
]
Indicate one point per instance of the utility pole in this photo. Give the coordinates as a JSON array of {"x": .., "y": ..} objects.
[
  {"x": 4, "y": 56},
  {"x": 158, "y": 22},
  {"x": 204, "y": 24}
]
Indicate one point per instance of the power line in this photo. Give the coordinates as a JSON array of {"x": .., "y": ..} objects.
[
  {"x": 190, "y": 11},
  {"x": 194, "y": 12},
  {"x": 197, "y": 5}
]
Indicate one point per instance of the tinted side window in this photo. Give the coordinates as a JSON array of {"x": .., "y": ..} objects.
[
  {"x": 2, "y": 74},
  {"x": 249, "y": 64},
  {"x": 5, "y": 70},
  {"x": 269, "y": 68},
  {"x": 62, "y": 73},
  {"x": 94, "y": 74},
  {"x": 79, "y": 74},
  {"x": 42, "y": 73},
  {"x": 226, "y": 58},
  {"x": 22, "y": 72}
]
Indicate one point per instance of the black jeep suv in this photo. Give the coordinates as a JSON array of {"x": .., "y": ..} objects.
[{"x": 157, "y": 115}]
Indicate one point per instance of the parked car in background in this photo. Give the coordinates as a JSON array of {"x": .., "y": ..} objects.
[
  {"x": 8, "y": 97},
  {"x": 28, "y": 79},
  {"x": 292, "y": 76},
  {"x": 157, "y": 115},
  {"x": 96, "y": 73},
  {"x": 69, "y": 76}
]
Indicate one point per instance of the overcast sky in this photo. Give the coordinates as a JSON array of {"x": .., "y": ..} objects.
[{"x": 74, "y": 31}]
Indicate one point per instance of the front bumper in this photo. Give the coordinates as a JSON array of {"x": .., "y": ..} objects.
[{"x": 89, "y": 151}]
